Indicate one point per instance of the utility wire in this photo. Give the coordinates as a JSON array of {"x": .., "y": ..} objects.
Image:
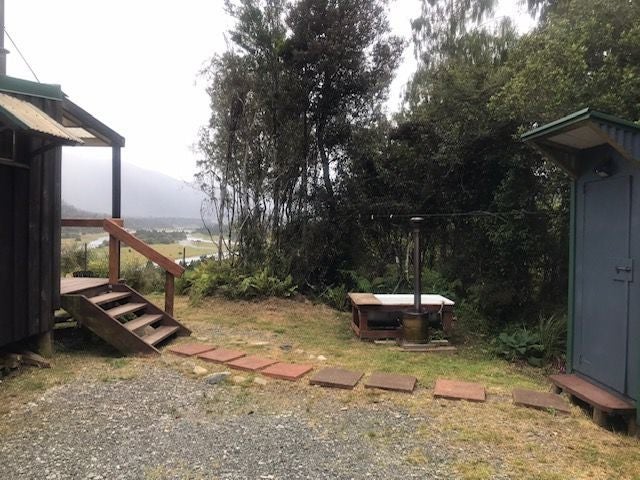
[
  {"x": 475, "y": 213},
  {"x": 21, "y": 55}
]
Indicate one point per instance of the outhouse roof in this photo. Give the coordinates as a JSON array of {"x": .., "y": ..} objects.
[{"x": 586, "y": 128}]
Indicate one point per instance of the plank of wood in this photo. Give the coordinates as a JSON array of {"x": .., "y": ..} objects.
[
  {"x": 75, "y": 285},
  {"x": 109, "y": 297},
  {"x": 364, "y": 299},
  {"x": 169, "y": 292},
  {"x": 88, "y": 222},
  {"x": 31, "y": 358},
  {"x": 139, "y": 246},
  {"x": 160, "y": 334},
  {"x": 142, "y": 321},
  {"x": 592, "y": 394},
  {"x": 125, "y": 309}
]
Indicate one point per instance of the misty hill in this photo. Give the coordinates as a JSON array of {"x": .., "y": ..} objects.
[{"x": 86, "y": 184}]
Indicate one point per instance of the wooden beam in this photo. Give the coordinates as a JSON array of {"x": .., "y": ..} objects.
[
  {"x": 169, "y": 292},
  {"x": 116, "y": 182},
  {"x": 139, "y": 246},
  {"x": 89, "y": 222},
  {"x": 114, "y": 260}
]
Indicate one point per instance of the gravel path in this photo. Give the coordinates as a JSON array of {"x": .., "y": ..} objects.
[{"x": 156, "y": 426}]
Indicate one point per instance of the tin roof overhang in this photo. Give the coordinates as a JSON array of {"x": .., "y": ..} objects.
[
  {"x": 562, "y": 139},
  {"x": 24, "y": 116},
  {"x": 77, "y": 121}
]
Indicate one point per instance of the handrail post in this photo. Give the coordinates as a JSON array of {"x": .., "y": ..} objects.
[
  {"x": 169, "y": 291},
  {"x": 114, "y": 260}
]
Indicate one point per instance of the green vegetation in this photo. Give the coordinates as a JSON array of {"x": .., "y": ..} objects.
[
  {"x": 165, "y": 237},
  {"x": 304, "y": 169}
]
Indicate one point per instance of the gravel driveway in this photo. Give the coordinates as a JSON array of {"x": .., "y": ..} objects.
[{"x": 160, "y": 425}]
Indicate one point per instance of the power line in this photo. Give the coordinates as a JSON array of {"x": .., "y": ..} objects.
[{"x": 21, "y": 55}]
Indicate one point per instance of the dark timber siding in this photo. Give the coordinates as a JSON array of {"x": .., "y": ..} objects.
[{"x": 30, "y": 208}]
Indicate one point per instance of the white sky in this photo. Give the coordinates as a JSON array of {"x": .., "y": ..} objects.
[{"x": 133, "y": 64}]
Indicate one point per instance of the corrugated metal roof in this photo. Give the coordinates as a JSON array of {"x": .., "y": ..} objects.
[
  {"x": 25, "y": 116},
  {"x": 32, "y": 89}
]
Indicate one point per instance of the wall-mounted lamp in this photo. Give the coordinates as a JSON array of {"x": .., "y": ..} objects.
[{"x": 604, "y": 169}]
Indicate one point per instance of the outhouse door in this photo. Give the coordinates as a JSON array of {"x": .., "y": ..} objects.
[{"x": 603, "y": 273}]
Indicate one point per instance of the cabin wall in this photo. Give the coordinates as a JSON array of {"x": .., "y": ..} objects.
[
  {"x": 30, "y": 208},
  {"x": 586, "y": 162}
]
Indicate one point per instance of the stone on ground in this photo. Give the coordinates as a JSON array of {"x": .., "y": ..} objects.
[
  {"x": 287, "y": 371},
  {"x": 190, "y": 349},
  {"x": 198, "y": 370},
  {"x": 455, "y": 390},
  {"x": 391, "y": 381},
  {"x": 252, "y": 363},
  {"x": 540, "y": 400},
  {"x": 336, "y": 378},
  {"x": 216, "y": 378},
  {"x": 221, "y": 355}
]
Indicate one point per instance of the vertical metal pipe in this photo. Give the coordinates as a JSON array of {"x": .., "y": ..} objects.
[
  {"x": 3, "y": 52},
  {"x": 417, "y": 273}
]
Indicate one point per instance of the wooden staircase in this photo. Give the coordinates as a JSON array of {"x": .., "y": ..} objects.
[{"x": 123, "y": 318}]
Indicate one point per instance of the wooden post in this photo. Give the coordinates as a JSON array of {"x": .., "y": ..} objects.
[
  {"x": 114, "y": 260},
  {"x": 116, "y": 182},
  {"x": 169, "y": 291},
  {"x": 45, "y": 344}
]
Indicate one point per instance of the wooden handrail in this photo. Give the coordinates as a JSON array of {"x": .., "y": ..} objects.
[
  {"x": 89, "y": 222},
  {"x": 139, "y": 246}
]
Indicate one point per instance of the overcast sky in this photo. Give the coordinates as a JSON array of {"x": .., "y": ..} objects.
[{"x": 134, "y": 65}]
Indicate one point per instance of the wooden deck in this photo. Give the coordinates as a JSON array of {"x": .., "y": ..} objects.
[{"x": 74, "y": 285}]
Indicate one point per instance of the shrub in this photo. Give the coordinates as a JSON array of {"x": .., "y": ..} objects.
[
  {"x": 336, "y": 297},
  {"x": 553, "y": 336},
  {"x": 521, "y": 344}
]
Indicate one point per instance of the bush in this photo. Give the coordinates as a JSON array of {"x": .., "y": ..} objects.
[
  {"x": 336, "y": 297},
  {"x": 221, "y": 278},
  {"x": 521, "y": 344}
]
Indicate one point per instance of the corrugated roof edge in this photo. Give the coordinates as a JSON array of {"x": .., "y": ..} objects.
[
  {"x": 27, "y": 87},
  {"x": 576, "y": 117}
]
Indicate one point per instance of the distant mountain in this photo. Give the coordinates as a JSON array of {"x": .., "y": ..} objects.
[{"x": 86, "y": 184}]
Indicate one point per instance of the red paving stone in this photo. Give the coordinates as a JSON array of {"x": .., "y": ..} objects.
[
  {"x": 454, "y": 390},
  {"x": 540, "y": 400},
  {"x": 287, "y": 371},
  {"x": 221, "y": 355},
  {"x": 336, "y": 378},
  {"x": 190, "y": 349},
  {"x": 391, "y": 381},
  {"x": 251, "y": 364}
]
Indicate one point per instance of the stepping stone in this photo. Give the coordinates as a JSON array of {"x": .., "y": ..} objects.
[
  {"x": 287, "y": 371},
  {"x": 454, "y": 390},
  {"x": 221, "y": 355},
  {"x": 190, "y": 349},
  {"x": 336, "y": 378},
  {"x": 391, "y": 381},
  {"x": 540, "y": 400},
  {"x": 251, "y": 364}
]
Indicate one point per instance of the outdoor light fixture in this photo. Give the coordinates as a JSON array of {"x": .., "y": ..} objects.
[{"x": 604, "y": 169}]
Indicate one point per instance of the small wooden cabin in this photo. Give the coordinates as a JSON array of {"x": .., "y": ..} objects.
[
  {"x": 36, "y": 120},
  {"x": 601, "y": 155}
]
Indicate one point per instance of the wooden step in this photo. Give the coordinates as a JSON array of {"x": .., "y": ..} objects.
[
  {"x": 142, "y": 322},
  {"x": 160, "y": 334},
  {"x": 595, "y": 396},
  {"x": 109, "y": 297},
  {"x": 125, "y": 309}
]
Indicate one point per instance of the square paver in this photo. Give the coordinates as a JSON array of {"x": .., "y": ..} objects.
[
  {"x": 540, "y": 400},
  {"x": 287, "y": 371},
  {"x": 251, "y": 364},
  {"x": 336, "y": 378},
  {"x": 391, "y": 381},
  {"x": 190, "y": 349},
  {"x": 455, "y": 390},
  {"x": 221, "y": 355}
]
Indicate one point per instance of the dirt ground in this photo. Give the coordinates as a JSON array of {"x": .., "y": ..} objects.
[{"x": 99, "y": 415}]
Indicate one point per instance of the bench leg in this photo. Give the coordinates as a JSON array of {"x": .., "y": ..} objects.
[
  {"x": 557, "y": 390},
  {"x": 599, "y": 417},
  {"x": 632, "y": 426}
]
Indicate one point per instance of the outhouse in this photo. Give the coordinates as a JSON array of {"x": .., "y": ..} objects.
[{"x": 601, "y": 155}]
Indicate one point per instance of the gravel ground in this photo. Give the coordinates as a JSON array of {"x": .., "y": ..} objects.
[{"x": 157, "y": 426}]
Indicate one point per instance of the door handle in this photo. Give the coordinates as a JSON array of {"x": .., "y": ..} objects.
[{"x": 623, "y": 269}]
